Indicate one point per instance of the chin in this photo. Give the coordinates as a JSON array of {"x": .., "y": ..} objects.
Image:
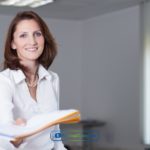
[{"x": 33, "y": 57}]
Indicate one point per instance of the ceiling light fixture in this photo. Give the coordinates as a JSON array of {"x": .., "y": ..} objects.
[{"x": 21, "y": 3}]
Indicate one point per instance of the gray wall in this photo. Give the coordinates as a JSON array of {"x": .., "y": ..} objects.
[
  {"x": 98, "y": 64},
  {"x": 111, "y": 74},
  {"x": 68, "y": 62},
  {"x": 4, "y": 21}
]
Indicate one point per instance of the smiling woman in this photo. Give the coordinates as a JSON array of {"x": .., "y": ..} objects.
[
  {"x": 28, "y": 41},
  {"x": 29, "y": 88}
]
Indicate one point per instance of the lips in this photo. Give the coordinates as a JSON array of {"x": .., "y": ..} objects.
[{"x": 32, "y": 49}]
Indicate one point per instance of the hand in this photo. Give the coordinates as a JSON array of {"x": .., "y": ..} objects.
[
  {"x": 20, "y": 122},
  {"x": 18, "y": 141}
]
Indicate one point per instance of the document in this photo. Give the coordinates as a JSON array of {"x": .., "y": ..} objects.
[{"x": 39, "y": 123}]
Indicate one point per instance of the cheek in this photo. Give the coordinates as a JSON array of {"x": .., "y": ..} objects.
[
  {"x": 42, "y": 42},
  {"x": 19, "y": 44},
  {"x": 18, "y": 47}
]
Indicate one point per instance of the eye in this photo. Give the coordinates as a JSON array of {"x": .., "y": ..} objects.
[
  {"x": 38, "y": 34},
  {"x": 23, "y": 35}
]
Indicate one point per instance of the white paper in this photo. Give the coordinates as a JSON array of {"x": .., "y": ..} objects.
[{"x": 10, "y": 131}]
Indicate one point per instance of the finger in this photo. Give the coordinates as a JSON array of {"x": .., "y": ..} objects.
[{"x": 20, "y": 121}]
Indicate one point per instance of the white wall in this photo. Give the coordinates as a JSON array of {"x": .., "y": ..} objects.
[
  {"x": 98, "y": 64},
  {"x": 110, "y": 74}
]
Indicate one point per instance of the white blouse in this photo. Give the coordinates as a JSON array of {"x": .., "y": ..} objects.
[{"x": 16, "y": 102}]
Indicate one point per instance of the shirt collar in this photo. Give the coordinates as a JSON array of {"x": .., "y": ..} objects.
[
  {"x": 18, "y": 76},
  {"x": 42, "y": 73}
]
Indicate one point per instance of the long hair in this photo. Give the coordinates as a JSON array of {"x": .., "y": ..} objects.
[{"x": 11, "y": 59}]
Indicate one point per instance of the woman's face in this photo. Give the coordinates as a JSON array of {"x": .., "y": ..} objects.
[{"x": 28, "y": 40}]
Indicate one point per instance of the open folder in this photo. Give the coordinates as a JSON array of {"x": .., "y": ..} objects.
[{"x": 39, "y": 123}]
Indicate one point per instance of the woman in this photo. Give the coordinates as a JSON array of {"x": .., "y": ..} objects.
[{"x": 27, "y": 87}]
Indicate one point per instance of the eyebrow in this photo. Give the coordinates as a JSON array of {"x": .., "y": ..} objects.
[
  {"x": 22, "y": 32},
  {"x": 38, "y": 30}
]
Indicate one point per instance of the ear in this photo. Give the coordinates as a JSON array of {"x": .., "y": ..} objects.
[{"x": 13, "y": 46}]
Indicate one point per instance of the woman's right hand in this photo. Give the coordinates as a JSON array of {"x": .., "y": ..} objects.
[
  {"x": 18, "y": 141},
  {"x": 20, "y": 122}
]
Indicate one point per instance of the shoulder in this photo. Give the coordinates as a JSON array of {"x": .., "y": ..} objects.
[
  {"x": 5, "y": 75},
  {"x": 54, "y": 75},
  {"x": 5, "y": 79}
]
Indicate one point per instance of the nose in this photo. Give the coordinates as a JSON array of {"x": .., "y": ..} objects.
[{"x": 32, "y": 40}]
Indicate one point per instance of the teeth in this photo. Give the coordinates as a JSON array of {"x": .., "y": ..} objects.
[{"x": 31, "y": 49}]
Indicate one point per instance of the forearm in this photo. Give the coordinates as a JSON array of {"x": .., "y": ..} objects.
[{"x": 19, "y": 141}]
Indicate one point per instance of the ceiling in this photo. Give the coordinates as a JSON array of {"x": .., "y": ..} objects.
[{"x": 74, "y": 9}]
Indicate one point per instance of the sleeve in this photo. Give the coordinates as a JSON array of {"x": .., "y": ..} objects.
[
  {"x": 58, "y": 145},
  {"x": 6, "y": 105},
  {"x": 56, "y": 85}
]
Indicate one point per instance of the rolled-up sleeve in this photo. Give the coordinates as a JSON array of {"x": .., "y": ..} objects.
[{"x": 6, "y": 105}]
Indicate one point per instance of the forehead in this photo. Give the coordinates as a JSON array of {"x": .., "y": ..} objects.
[{"x": 27, "y": 25}]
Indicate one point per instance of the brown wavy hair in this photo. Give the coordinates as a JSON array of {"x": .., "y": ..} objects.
[{"x": 11, "y": 59}]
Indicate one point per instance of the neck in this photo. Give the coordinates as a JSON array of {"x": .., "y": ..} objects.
[
  {"x": 32, "y": 79},
  {"x": 32, "y": 67},
  {"x": 31, "y": 72}
]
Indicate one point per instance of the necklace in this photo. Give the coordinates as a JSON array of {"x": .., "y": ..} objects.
[{"x": 34, "y": 83}]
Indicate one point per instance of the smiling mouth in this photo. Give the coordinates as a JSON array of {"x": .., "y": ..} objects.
[{"x": 31, "y": 49}]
